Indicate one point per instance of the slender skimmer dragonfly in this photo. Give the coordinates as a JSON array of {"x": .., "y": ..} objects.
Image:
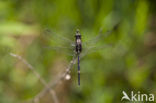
[{"x": 76, "y": 46}]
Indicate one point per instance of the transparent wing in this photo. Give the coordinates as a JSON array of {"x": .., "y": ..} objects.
[
  {"x": 100, "y": 36},
  {"x": 56, "y": 42},
  {"x": 92, "y": 45},
  {"x": 59, "y": 38},
  {"x": 93, "y": 49},
  {"x": 57, "y": 48},
  {"x": 63, "y": 50}
]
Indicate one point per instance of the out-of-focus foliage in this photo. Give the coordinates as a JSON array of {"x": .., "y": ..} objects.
[{"x": 129, "y": 64}]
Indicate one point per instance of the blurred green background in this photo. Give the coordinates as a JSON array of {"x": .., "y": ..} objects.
[{"x": 128, "y": 65}]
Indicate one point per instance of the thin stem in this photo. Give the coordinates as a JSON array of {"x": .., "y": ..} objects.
[{"x": 52, "y": 92}]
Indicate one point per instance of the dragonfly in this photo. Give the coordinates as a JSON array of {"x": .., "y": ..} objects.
[
  {"x": 78, "y": 49},
  {"x": 76, "y": 46}
]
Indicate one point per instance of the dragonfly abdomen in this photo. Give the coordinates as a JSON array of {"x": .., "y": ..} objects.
[{"x": 78, "y": 70}]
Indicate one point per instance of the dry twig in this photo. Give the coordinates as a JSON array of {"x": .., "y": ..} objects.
[{"x": 51, "y": 91}]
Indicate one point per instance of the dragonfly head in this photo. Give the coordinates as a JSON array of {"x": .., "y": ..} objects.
[
  {"x": 78, "y": 35},
  {"x": 77, "y": 30}
]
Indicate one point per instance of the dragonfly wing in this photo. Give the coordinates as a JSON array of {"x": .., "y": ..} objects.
[
  {"x": 57, "y": 43},
  {"x": 60, "y": 49},
  {"x": 97, "y": 38},
  {"x": 92, "y": 49},
  {"x": 101, "y": 36},
  {"x": 53, "y": 36},
  {"x": 57, "y": 48}
]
